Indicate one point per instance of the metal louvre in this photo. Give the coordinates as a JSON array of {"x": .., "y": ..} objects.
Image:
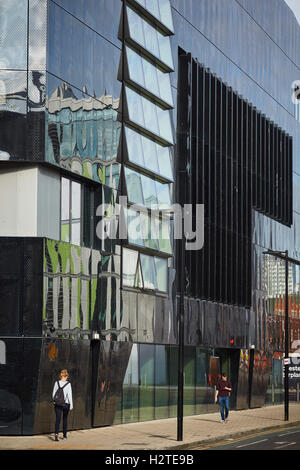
[{"x": 232, "y": 159}]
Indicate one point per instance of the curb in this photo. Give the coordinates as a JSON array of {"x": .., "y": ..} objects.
[{"x": 192, "y": 445}]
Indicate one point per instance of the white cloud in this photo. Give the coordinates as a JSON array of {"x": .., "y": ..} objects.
[{"x": 295, "y": 7}]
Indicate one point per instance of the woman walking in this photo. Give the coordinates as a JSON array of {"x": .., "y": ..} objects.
[{"x": 63, "y": 402}]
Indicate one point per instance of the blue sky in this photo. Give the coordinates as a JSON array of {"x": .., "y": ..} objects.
[{"x": 295, "y": 6}]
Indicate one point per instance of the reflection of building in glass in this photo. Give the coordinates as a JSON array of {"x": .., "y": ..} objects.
[
  {"x": 275, "y": 272},
  {"x": 84, "y": 134},
  {"x": 99, "y": 103}
]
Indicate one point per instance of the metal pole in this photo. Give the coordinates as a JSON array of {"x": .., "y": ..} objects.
[
  {"x": 181, "y": 346},
  {"x": 286, "y": 337}
]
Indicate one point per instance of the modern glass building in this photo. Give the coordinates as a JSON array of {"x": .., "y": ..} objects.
[{"x": 160, "y": 102}]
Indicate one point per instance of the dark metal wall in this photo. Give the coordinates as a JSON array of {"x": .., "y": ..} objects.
[{"x": 233, "y": 159}]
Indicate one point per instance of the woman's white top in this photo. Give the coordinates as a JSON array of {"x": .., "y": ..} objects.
[{"x": 67, "y": 392}]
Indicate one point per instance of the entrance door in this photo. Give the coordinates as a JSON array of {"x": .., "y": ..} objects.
[{"x": 229, "y": 364}]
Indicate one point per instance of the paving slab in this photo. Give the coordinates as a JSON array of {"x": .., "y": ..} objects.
[{"x": 161, "y": 434}]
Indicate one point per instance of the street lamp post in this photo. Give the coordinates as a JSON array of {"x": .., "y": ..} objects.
[{"x": 286, "y": 338}]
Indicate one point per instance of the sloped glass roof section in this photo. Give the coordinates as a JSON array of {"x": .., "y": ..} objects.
[
  {"x": 149, "y": 77},
  {"x": 148, "y": 155},
  {"x": 151, "y": 40},
  {"x": 145, "y": 114}
]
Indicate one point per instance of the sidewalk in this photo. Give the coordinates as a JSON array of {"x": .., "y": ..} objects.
[{"x": 161, "y": 434}]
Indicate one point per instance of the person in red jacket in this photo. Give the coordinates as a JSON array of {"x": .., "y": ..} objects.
[{"x": 223, "y": 390}]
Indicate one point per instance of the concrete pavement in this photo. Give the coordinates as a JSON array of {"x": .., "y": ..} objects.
[{"x": 161, "y": 434}]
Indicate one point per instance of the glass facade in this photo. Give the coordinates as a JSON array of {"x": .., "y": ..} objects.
[
  {"x": 96, "y": 92},
  {"x": 150, "y": 383}
]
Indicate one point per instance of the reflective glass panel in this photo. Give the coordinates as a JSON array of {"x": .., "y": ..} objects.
[
  {"x": 149, "y": 191},
  {"x": 65, "y": 209},
  {"x": 161, "y": 266},
  {"x": 145, "y": 74},
  {"x": 135, "y": 107},
  {"x": 135, "y": 235},
  {"x": 76, "y": 200},
  {"x": 134, "y": 147},
  {"x": 76, "y": 212},
  {"x": 135, "y": 67},
  {"x": 135, "y": 27},
  {"x": 150, "y": 238},
  {"x": 141, "y": 2},
  {"x": 150, "y": 114},
  {"x": 130, "y": 393},
  {"x": 129, "y": 268},
  {"x": 163, "y": 194},
  {"x": 165, "y": 91},
  {"x": 75, "y": 231},
  {"x": 165, "y": 50},
  {"x": 164, "y": 236},
  {"x": 146, "y": 364},
  {"x": 151, "y": 82},
  {"x": 151, "y": 39},
  {"x": 164, "y": 161},
  {"x": 150, "y": 156},
  {"x": 146, "y": 114},
  {"x": 161, "y": 382},
  {"x": 165, "y": 126},
  {"x": 149, "y": 273},
  {"x": 152, "y": 6},
  {"x": 166, "y": 14},
  {"x": 134, "y": 186}
]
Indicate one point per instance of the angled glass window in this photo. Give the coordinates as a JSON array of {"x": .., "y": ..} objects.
[
  {"x": 164, "y": 236},
  {"x": 151, "y": 117},
  {"x": 149, "y": 191},
  {"x": 134, "y": 227},
  {"x": 160, "y": 9},
  {"x": 135, "y": 66},
  {"x": 164, "y": 161},
  {"x": 149, "y": 233},
  {"x": 149, "y": 38},
  {"x": 161, "y": 266},
  {"x": 165, "y": 91},
  {"x": 148, "y": 154},
  {"x": 134, "y": 186},
  {"x": 145, "y": 74},
  {"x": 149, "y": 272},
  {"x": 130, "y": 267},
  {"x": 165, "y": 126},
  {"x": 151, "y": 80},
  {"x": 135, "y": 107},
  {"x": 146, "y": 114},
  {"x": 135, "y": 27},
  {"x": 163, "y": 195},
  {"x": 144, "y": 271},
  {"x": 152, "y": 6},
  {"x": 134, "y": 147},
  {"x": 166, "y": 14}
]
